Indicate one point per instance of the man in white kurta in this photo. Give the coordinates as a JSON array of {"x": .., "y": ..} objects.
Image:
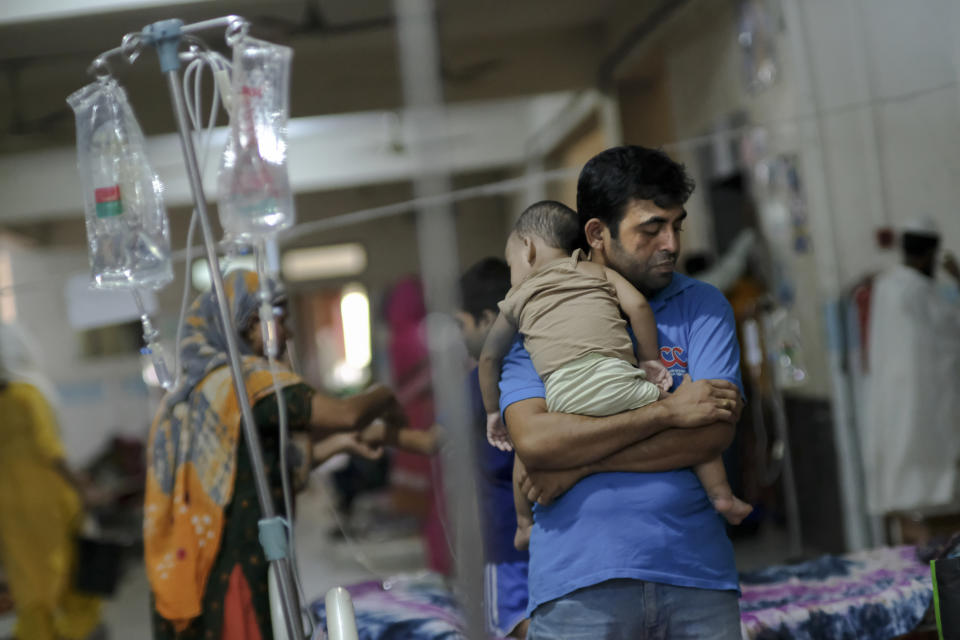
[{"x": 911, "y": 439}]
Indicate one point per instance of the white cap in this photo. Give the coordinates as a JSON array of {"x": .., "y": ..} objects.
[{"x": 922, "y": 226}]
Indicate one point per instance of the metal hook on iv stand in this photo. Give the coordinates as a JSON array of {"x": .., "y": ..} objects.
[{"x": 165, "y": 36}]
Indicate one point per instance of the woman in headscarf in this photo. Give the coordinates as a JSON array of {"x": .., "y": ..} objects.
[
  {"x": 41, "y": 508},
  {"x": 204, "y": 561}
]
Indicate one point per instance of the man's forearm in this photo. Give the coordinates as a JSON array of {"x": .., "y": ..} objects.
[
  {"x": 546, "y": 441},
  {"x": 563, "y": 441},
  {"x": 667, "y": 450}
]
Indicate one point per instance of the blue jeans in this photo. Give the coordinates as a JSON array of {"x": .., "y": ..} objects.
[{"x": 638, "y": 610}]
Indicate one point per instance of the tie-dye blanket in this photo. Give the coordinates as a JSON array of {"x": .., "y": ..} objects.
[{"x": 871, "y": 595}]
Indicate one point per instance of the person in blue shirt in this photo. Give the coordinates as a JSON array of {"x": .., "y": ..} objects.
[
  {"x": 482, "y": 286},
  {"x": 625, "y": 542}
]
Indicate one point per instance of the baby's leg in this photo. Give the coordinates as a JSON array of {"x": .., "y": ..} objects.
[
  {"x": 521, "y": 540},
  {"x": 713, "y": 477}
]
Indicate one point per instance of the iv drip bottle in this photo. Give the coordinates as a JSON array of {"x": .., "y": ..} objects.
[
  {"x": 252, "y": 200},
  {"x": 254, "y": 187},
  {"x": 127, "y": 228},
  {"x": 126, "y": 252}
]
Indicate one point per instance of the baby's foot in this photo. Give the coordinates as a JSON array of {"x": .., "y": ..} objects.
[
  {"x": 521, "y": 539},
  {"x": 731, "y": 507}
]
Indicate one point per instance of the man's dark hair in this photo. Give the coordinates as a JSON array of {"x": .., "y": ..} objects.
[
  {"x": 612, "y": 178},
  {"x": 554, "y": 222},
  {"x": 917, "y": 245},
  {"x": 483, "y": 285}
]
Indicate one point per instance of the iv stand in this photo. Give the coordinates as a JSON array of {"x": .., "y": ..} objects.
[{"x": 165, "y": 36}]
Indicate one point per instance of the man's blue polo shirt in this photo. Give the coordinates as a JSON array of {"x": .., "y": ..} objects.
[{"x": 658, "y": 527}]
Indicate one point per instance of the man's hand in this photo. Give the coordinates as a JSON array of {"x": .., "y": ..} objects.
[
  {"x": 344, "y": 443},
  {"x": 704, "y": 402},
  {"x": 394, "y": 415},
  {"x": 378, "y": 434},
  {"x": 546, "y": 486}
]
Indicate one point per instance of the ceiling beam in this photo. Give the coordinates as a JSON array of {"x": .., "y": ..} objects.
[{"x": 325, "y": 152}]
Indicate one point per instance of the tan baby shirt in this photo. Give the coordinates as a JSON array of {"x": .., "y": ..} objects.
[{"x": 565, "y": 314}]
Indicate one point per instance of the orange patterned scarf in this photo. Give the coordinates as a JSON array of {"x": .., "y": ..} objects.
[{"x": 192, "y": 453}]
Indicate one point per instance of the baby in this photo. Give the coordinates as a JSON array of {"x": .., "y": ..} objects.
[{"x": 568, "y": 311}]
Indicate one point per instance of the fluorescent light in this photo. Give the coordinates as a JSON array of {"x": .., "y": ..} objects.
[
  {"x": 355, "y": 314},
  {"x": 316, "y": 263},
  {"x": 345, "y": 376}
]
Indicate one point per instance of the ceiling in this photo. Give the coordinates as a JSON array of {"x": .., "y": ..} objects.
[{"x": 344, "y": 53}]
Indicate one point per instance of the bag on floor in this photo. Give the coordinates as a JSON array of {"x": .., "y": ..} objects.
[{"x": 946, "y": 595}]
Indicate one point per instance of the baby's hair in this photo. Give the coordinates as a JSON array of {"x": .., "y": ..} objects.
[{"x": 553, "y": 222}]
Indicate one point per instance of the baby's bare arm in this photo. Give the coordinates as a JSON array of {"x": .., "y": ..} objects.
[
  {"x": 638, "y": 311},
  {"x": 495, "y": 348}
]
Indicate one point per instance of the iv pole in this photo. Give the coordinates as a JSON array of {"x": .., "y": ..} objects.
[{"x": 165, "y": 36}]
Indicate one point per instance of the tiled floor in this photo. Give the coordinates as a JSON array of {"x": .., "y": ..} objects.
[{"x": 769, "y": 546}]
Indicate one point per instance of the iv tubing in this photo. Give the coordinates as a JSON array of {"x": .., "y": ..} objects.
[
  {"x": 212, "y": 59},
  {"x": 272, "y": 351}
]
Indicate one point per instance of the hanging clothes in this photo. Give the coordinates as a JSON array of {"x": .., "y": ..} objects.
[
  {"x": 415, "y": 479},
  {"x": 911, "y": 430}
]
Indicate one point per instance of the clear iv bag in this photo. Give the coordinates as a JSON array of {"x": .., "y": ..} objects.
[
  {"x": 127, "y": 229},
  {"x": 254, "y": 188}
]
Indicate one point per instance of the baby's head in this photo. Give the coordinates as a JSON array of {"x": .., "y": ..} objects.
[{"x": 545, "y": 231}]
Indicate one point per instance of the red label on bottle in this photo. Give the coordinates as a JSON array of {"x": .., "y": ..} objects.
[
  {"x": 254, "y": 92},
  {"x": 106, "y": 194}
]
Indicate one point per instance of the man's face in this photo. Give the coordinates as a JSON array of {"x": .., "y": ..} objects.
[
  {"x": 474, "y": 331},
  {"x": 646, "y": 249}
]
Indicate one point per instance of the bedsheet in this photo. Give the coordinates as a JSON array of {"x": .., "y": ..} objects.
[{"x": 870, "y": 595}]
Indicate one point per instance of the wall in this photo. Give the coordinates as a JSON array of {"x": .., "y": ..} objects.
[
  {"x": 97, "y": 397},
  {"x": 646, "y": 107},
  {"x": 875, "y": 82},
  {"x": 900, "y": 57},
  {"x": 586, "y": 141}
]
